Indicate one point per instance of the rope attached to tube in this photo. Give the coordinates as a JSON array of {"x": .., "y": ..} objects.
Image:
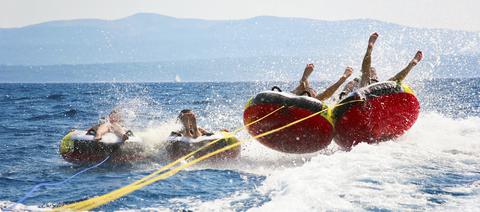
[{"x": 116, "y": 194}]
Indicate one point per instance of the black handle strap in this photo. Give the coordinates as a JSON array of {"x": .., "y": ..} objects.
[{"x": 276, "y": 88}]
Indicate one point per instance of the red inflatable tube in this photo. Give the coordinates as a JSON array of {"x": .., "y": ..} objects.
[
  {"x": 388, "y": 110},
  {"x": 307, "y": 136}
]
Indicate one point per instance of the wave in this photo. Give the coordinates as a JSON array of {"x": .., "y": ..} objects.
[
  {"x": 69, "y": 113},
  {"x": 433, "y": 166},
  {"x": 56, "y": 96}
]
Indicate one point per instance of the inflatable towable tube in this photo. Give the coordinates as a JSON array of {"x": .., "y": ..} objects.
[
  {"x": 79, "y": 147},
  {"x": 388, "y": 110},
  {"x": 308, "y": 136},
  {"x": 179, "y": 146}
]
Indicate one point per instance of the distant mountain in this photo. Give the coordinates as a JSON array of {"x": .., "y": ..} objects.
[{"x": 185, "y": 46}]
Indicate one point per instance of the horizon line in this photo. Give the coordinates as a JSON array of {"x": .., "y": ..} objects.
[{"x": 173, "y": 82}]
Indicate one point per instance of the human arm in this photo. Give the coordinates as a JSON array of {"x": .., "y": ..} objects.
[
  {"x": 101, "y": 130},
  {"x": 119, "y": 130}
]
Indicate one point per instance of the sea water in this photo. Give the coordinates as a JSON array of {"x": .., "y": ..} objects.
[{"x": 434, "y": 166}]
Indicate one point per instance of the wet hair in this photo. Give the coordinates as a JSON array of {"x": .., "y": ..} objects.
[
  {"x": 183, "y": 112},
  {"x": 186, "y": 111},
  {"x": 114, "y": 111}
]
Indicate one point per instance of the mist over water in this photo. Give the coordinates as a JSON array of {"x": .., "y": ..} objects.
[{"x": 434, "y": 166}]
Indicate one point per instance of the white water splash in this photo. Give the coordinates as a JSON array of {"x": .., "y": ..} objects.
[{"x": 415, "y": 172}]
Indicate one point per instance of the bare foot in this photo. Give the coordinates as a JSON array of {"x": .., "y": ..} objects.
[
  {"x": 372, "y": 39},
  {"x": 417, "y": 58},
  {"x": 308, "y": 71},
  {"x": 310, "y": 67},
  {"x": 348, "y": 72}
]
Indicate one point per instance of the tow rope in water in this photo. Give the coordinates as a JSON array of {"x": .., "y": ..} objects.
[
  {"x": 36, "y": 187},
  {"x": 95, "y": 202}
]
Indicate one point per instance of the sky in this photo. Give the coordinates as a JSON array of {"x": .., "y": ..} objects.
[{"x": 450, "y": 14}]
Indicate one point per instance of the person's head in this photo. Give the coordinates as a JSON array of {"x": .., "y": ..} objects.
[
  {"x": 373, "y": 74},
  {"x": 185, "y": 112},
  {"x": 115, "y": 116},
  {"x": 186, "y": 116}
]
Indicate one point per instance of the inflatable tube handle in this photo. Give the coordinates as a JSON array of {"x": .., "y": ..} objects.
[{"x": 276, "y": 88}]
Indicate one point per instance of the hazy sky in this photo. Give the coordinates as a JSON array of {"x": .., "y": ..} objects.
[{"x": 452, "y": 14}]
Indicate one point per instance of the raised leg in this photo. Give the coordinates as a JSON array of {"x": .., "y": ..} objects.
[
  {"x": 304, "y": 85},
  {"x": 331, "y": 90},
  {"x": 400, "y": 76},
  {"x": 307, "y": 72},
  {"x": 367, "y": 61}
]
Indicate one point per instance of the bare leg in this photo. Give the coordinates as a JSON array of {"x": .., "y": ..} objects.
[
  {"x": 301, "y": 88},
  {"x": 304, "y": 84},
  {"x": 331, "y": 90},
  {"x": 400, "y": 76},
  {"x": 367, "y": 61},
  {"x": 102, "y": 129},
  {"x": 308, "y": 71}
]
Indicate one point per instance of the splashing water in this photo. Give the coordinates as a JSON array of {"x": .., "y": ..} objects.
[{"x": 434, "y": 166}]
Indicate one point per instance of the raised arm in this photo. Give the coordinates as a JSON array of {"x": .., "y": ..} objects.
[
  {"x": 334, "y": 87},
  {"x": 203, "y": 131}
]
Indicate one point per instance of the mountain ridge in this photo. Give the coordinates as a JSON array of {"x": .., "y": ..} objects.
[
  {"x": 156, "y": 43},
  {"x": 150, "y": 37}
]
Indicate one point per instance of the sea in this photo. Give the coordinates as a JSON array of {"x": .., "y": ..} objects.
[{"x": 435, "y": 166}]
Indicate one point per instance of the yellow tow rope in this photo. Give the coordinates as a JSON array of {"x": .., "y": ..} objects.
[
  {"x": 202, "y": 148},
  {"x": 116, "y": 194}
]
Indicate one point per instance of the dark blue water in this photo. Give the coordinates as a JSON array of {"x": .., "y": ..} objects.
[{"x": 36, "y": 116}]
